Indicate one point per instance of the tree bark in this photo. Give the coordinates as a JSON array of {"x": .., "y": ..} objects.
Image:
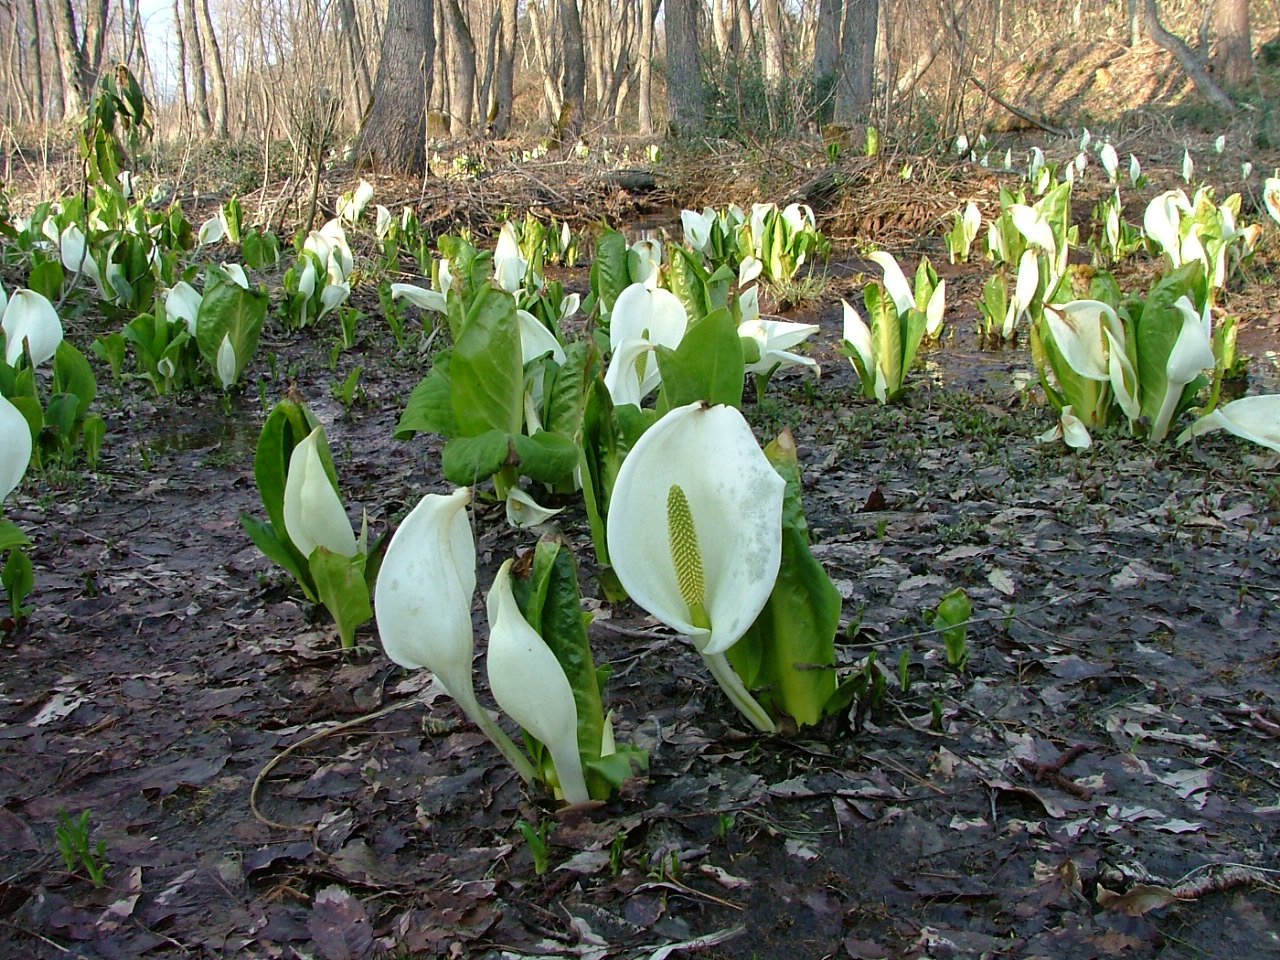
[
  {"x": 826, "y": 52},
  {"x": 195, "y": 63},
  {"x": 69, "y": 62},
  {"x": 504, "y": 96},
  {"x": 774, "y": 52},
  {"x": 37, "y": 59},
  {"x": 856, "y": 87},
  {"x": 573, "y": 78},
  {"x": 354, "y": 53},
  {"x": 644, "y": 117},
  {"x": 393, "y": 134},
  {"x": 462, "y": 69},
  {"x": 685, "y": 109},
  {"x": 218, "y": 78},
  {"x": 1233, "y": 53}
]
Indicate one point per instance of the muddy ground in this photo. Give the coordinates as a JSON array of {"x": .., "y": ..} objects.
[{"x": 1102, "y": 780}]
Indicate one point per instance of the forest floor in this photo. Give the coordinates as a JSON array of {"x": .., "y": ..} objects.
[{"x": 1102, "y": 780}]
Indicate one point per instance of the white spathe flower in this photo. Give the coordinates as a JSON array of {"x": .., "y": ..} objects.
[
  {"x": 420, "y": 297},
  {"x": 15, "y": 436},
  {"x": 971, "y": 221},
  {"x": 1188, "y": 166},
  {"x": 632, "y": 373},
  {"x": 226, "y": 362},
  {"x": 213, "y": 230},
  {"x": 352, "y": 205},
  {"x": 1192, "y": 353},
  {"x": 236, "y": 273},
  {"x": 858, "y": 335},
  {"x": 1034, "y": 228},
  {"x": 313, "y": 512},
  {"x": 934, "y": 310},
  {"x": 536, "y": 340},
  {"x": 895, "y": 283},
  {"x": 509, "y": 268},
  {"x": 424, "y": 589},
  {"x": 383, "y": 222},
  {"x": 524, "y": 512},
  {"x": 1035, "y": 164},
  {"x": 332, "y": 297},
  {"x": 1256, "y": 419},
  {"x": 1220, "y": 144},
  {"x": 74, "y": 251},
  {"x": 1271, "y": 197},
  {"x": 307, "y": 278},
  {"x": 760, "y": 212},
  {"x": 1162, "y": 222},
  {"x": 749, "y": 305},
  {"x": 697, "y": 228},
  {"x": 1078, "y": 332},
  {"x": 695, "y": 525},
  {"x": 1135, "y": 170},
  {"x": 1085, "y": 139},
  {"x": 655, "y": 315},
  {"x": 1246, "y": 170},
  {"x": 1070, "y": 430},
  {"x": 776, "y": 338},
  {"x": 962, "y": 145},
  {"x": 182, "y": 304},
  {"x": 569, "y": 305},
  {"x": 749, "y": 270},
  {"x": 329, "y": 244},
  {"x": 648, "y": 261},
  {"x": 1024, "y": 291},
  {"x": 1110, "y": 161},
  {"x": 798, "y": 216},
  {"x": 531, "y": 687},
  {"x": 29, "y": 318}
]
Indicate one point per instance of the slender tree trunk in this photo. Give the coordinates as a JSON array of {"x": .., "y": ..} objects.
[
  {"x": 218, "y": 78},
  {"x": 1186, "y": 58},
  {"x": 856, "y": 86},
  {"x": 393, "y": 135},
  {"x": 95, "y": 34},
  {"x": 685, "y": 109},
  {"x": 354, "y": 53},
  {"x": 196, "y": 71},
  {"x": 37, "y": 59},
  {"x": 1233, "y": 54},
  {"x": 504, "y": 98},
  {"x": 180, "y": 34},
  {"x": 462, "y": 69},
  {"x": 826, "y": 53},
  {"x": 644, "y": 119},
  {"x": 573, "y": 77},
  {"x": 774, "y": 43},
  {"x": 69, "y": 63},
  {"x": 746, "y": 29}
]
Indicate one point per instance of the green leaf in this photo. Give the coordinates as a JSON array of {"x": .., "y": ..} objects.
[
  {"x": 790, "y": 649},
  {"x": 547, "y": 457},
  {"x": 341, "y": 587},
  {"x": 280, "y": 552},
  {"x": 486, "y": 370},
  {"x": 609, "y": 275},
  {"x": 19, "y": 580},
  {"x": 472, "y": 460},
  {"x": 1157, "y": 330},
  {"x": 430, "y": 406},
  {"x": 886, "y": 335},
  {"x": 687, "y": 279},
  {"x": 72, "y": 374},
  {"x": 11, "y": 535},
  {"x": 565, "y": 391},
  {"x": 47, "y": 278},
  {"x": 707, "y": 365},
  {"x": 229, "y": 310}
]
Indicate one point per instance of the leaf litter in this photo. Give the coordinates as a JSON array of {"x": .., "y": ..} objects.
[{"x": 1100, "y": 780}]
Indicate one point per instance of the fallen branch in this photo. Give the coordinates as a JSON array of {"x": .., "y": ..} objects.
[{"x": 1017, "y": 112}]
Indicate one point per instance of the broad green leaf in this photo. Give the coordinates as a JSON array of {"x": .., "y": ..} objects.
[
  {"x": 708, "y": 365},
  {"x": 609, "y": 275},
  {"x": 486, "y": 369},
  {"x": 547, "y": 457},
  {"x": 341, "y": 587},
  {"x": 229, "y": 310},
  {"x": 1157, "y": 330},
  {"x": 47, "y": 278},
  {"x": 687, "y": 280},
  {"x": 72, "y": 374},
  {"x": 565, "y": 392},
  {"x": 19, "y": 580},
  {"x": 886, "y": 336},
  {"x": 11, "y": 535},
  {"x": 471, "y": 460},
  {"x": 287, "y": 425},
  {"x": 279, "y": 552},
  {"x": 430, "y": 406}
]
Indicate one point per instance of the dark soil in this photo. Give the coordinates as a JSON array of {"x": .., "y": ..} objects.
[{"x": 1102, "y": 780}]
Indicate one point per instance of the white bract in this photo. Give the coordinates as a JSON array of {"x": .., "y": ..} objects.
[
  {"x": 75, "y": 253},
  {"x": 1135, "y": 170},
  {"x": 226, "y": 362},
  {"x": 1271, "y": 197},
  {"x": 420, "y": 297},
  {"x": 30, "y": 319},
  {"x": 776, "y": 338},
  {"x": 642, "y": 318},
  {"x": 329, "y": 244},
  {"x": 1192, "y": 353},
  {"x": 15, "y": 438},
  {"x": 1256, "y": 419},
  {"x": 237, "y": 274},
  {"x": 895, "y": 283},
  {"x": 1070, "y": 430},
  {"x": 182, "y": 304},
  {"x": 351, "y": 205},
  {"x": 509, "y": 268},
  {"x": 648, "y": 261},
  {"x": 1110, "y": 161},
  {"x": 695, "y": 524},
  {"x": 313, "y": 512},
  {"x": 695, "y": 533},
  {"x": 213, "y": 230},
  {"x": 858, "y": 336},
  {"x": 524, "y": 512},
  {"x": 531, "y": 687},
  {"x": 697, "y": 228},
  {"x": 1188, "y": 166}
]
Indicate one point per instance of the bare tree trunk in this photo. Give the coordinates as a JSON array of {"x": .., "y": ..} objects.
[
  {"x": 462, "y": 69},
  {"x": 392, "y": 137},
  {"x": 37, "y": 59},
  {"x": 213, "y": 57},
  {"x": 504, "y": 98},
  {"x": 69, "y": 62},
  {"x": 180, "y": 33},
  {"x": 856, "y": 86},
  {"x": 573, "y": 77},
  {"x": 685, "y": 109},
  {"x": 746, "y": 29},
  {"x": 1185, "y": 57},
  {"x": 196, "y": 72},
  {"x": 95, "y": 34},
  {"x": 826, "y": 53},
  {"x": 1136, "y": 20},
  {"x": 1233, "y": 54},
  {"x": 353, "y": 52},
  {"x": 774, "y": 53},
  {"x": 546, "y": 64},
  {"x": 644, "y": 118}
]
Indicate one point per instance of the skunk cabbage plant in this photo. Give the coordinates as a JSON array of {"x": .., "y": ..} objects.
[{"x": 31, "y": 328}]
